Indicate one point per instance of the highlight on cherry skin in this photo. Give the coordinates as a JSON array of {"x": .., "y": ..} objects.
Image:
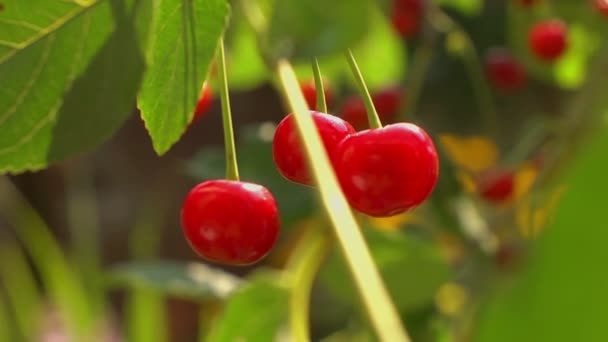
[
  {"x": 230, "y": 222},
  {"x": 389, "y": 170},
  {"x": 288, "y": 153}
]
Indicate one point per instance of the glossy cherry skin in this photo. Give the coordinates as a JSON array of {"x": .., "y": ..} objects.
[
  {"x": 288, "y": 153},
  {"x": 496, "y": 186},
  {"x": 406, "y": 16},
  {"x": 386, "y": 171},
  {"x": 548, "y": 40},
  {"x": 602, "y": 6},
  {"x": 504, "y": 71},
  {"x": 230, "y": 222},
  {"x": 204, "y": 102},
  {"x": 387, "y": 102},
  {"x": 310, "y": 93}
]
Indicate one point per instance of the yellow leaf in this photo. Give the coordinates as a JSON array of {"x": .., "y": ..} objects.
[
  {"x": 524, "y": 179},
  {"x": 394, "y": 222},
  {"x": 474, "y": 154},
  {"x": 530, "y": 220}
]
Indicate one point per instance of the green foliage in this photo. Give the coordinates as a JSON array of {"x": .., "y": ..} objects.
[
  {"x": 561, "y": 294},
  {"x": 183, "y": 39},
  {"x": 58, "y": 66},
  {"x": 254, "y": 313},
  {"x": 192, "y": 281},
  {"x": 308, "y": 28},
  {"x": 411, "y": 269}
]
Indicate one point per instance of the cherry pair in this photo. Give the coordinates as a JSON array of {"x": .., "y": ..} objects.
[{"x": 382, "y": 171}]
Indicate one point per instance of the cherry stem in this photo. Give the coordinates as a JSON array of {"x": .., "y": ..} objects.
[
  {"x": 232, "y": 169},
  {"x": 372, "y": 115},
  {"x": 303, "y": 266},
  {"x": 321, "y": 102},
  {"x": 381, "y": 311}
]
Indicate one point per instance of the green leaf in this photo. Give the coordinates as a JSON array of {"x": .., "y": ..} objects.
[
  {"x": 561, "y": 294},
  {"x": 191, "y": 281},
  {"x": 21, "y": 292},
  {"x": 246, "y": 69},
  {"x": 412, "y": 270},
  {"x": 184, "y": 37},
  {"x": 308, "y": 28},
  {"x": 253, "y": 313},
  {"x": 70, "y": 72}
]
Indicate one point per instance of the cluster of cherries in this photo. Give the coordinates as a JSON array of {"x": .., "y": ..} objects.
[{"x": 382, "y": 172}]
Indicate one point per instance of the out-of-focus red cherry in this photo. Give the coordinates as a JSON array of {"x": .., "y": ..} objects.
[
  {"x": 310, "y": 93},
  {"x": 204, "y": 102},
  {"x": 548, "y": 39},
  {"x": 496, "y": 186},
  {"x": 504, "y": 71}
]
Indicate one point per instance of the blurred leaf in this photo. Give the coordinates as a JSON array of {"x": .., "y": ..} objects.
[
  {"x": 22, "y": 294},
  {"x": 147, "y": 321},
  {"x": 253, "y": 313},
  {"x": 412, "y": 270},
  {"x": 561, "y": 294},
  {"x": 571, "y": 70},
  {"x": 256, "y": 165},
  {"x": 184, "y": 38},
  {"x": 246, "y": 66},
  {"x": 308, "y": 28},
  {"x": 468, "y": 7},
  {"x": 57, "y": 275},
  {"x": 192, "y": 280},
  {"x": 381, "y": 56},
  {"x": 6, "y": 328},
  {"x": 62, "y": 90}
]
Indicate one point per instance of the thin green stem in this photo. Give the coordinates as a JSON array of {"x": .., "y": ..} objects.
[
  {"x": 232, "y": 169},
  {"x": 303, "y": 267},
  {"x": 321, "y": 102},
  {"x": 443, "y": 23},
  {"x": 419, "y": 67},
  {"x": 372, "y": 115},
  {"x": 381, "y": 311}
]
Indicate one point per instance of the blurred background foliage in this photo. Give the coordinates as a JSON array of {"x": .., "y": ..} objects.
[{"x": 90, "y": 247}]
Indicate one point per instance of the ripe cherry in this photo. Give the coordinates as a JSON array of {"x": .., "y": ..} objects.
[
  {"x": 287, "y": 151},
  {"x": 204, "y": 102},
  {"x": 406, "y": 16},
  {"x": 548, "y": 39},
  {"x": 310, "y": 93},
  {"x": 496, "y": 186},
  {"x": 504, "y": 71},
  {"x": 386, "y": 171},
  {"x": 386, "y": 101},
  {"x": 230, "y": 222},
  {"x": 602, "y": 6}
]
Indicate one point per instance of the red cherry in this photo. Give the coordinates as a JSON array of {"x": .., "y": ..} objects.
[
  {"x": 310, "y": 93},
  {"x": 602, "y": 6},
  {"x": 204, "y": 102},
  {"x": 386, "y": 101},
  {"x": 548, "y": 39},
  {"x": 496, "y": 186},
  {"x": 504, "y": 71},
  {"x": 287, "y": 151},
  {"x": 230, "y": 222},
  {"x": 353, "y": 110},
  {"x": 386, "y": 171},
  {"x": 406, "y": 16}
]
